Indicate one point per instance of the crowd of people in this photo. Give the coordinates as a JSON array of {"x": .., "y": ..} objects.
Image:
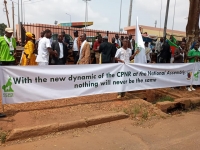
[{"x": 44, "y": 51}]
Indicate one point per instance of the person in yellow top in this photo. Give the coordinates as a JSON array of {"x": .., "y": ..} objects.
[{"x": 28, "y": 56}]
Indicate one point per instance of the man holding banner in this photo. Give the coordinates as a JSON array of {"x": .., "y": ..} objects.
[{"x": 124, "y": 55}]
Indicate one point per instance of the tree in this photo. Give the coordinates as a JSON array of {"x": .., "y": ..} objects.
[
  {"x": 2, "y": 28},
  {"x": 192, "y": 28}
]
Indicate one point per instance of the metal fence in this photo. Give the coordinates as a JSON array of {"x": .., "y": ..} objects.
[{"x": 38, "y": 28}]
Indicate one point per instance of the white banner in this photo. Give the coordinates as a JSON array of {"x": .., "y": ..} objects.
[{"x": 37, "y": 83}]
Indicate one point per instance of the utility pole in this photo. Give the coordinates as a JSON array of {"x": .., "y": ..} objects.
[
  {"x": 120, "y": 16},
  {"x": 21, "y": 12},
  {"x": 86, "y": 12},
  {"x": 5, "y": 2},
  {"x": 13, "y": 17},
  {"x": 130, "y": 12},
  {"x": 166, "y": 18}
]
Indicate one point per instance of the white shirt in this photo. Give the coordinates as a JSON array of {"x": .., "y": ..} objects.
[
  {"x": 147, "y": 52},
  {"x": 131, "y": 41},
  {"x": 61, "y": 50},
  {"x": 75, "y": 45},
  {"x": 124, "y": 54},
  {"x": 81, "y": 49},
  {"x": 43, "y": 53},
  {"x": 117, "y": 41}
]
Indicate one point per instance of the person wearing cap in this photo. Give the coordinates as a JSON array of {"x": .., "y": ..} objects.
[
  {"x": 28, "y": 57},
  {"x": 107, "y": 51},
  {"x": 96, "y": 48},
  {"x": 7, "y": 48},
  {"x": 76, "y": 47}
]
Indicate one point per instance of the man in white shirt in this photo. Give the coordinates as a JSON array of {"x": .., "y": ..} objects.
[
  {"x": 158, "y": 48},
  {"x": 124, "y": 55},
  {"x": 44, "y": 49},
  {"x": 117, "y": 40},
  {"x": 76, "y": 47}
]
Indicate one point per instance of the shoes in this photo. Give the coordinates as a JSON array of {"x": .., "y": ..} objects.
[
  {"x": 119, "y": 96},
  {"x": 189, "y": 89},
  {"x": 192, "y": 89},
  {"x": 2, "y": 115}
]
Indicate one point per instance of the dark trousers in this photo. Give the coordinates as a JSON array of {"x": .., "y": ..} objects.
[
  {"x": 7, "y": 63},
  {"x": 60, "y": 62},
  {"x": 76, "y": 57}
]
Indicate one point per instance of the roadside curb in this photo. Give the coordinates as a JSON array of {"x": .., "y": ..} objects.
[
  {"x": 185, "y": 103},
  {"x": 27, "y": 132}
]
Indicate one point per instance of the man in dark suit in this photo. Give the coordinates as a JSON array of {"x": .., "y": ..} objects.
[
  {"x": 165, "y": 54},
  {"x": 62, "y": 51}
]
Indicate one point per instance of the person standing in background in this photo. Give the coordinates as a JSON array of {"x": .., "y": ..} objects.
[
  {"x": 107, "y": 51},
  {"x": 44, "y": 49},
  {"x": 117, "y": 40},
  {"x": 28, "y": 56},
  {"x": 193, "y": 56},
  {"x": 84, "y": 56},
  {"x": 7, "y": 48},
  {"x": 179, "y": 53},
  {"x": 76, "y": 47},
  {"x": 132, "y": 42},
  {"x": 61, "y": 50},
  {"x": 147, "y": 52},
  {"x": 96, "y": 48},
  {"x": 158, "y": 48}
]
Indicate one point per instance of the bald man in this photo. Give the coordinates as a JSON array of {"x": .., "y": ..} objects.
[{"x": 84, "y": 56}]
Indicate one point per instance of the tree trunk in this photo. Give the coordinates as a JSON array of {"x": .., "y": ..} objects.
[{"x": 192, "y": 28}]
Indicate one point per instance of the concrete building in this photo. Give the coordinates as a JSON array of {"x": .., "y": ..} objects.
[{"x": 156, "y": 31}]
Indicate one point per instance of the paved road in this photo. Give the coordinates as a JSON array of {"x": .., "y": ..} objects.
[{"x": 175, "y": 133}]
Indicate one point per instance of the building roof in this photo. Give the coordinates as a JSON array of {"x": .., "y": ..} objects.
[
  {"x": 76, "y": 24},
  {"x": 155, "y": 29}
]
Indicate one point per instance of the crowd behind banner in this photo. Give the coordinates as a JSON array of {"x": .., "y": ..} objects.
[{"x": 45, "y": 51}]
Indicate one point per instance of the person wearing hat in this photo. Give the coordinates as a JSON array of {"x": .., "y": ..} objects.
[
  {"x": 76, "y": 47},
  {"x": 107, "y": 51},
  {"x": 28, "y": 57},
  {"x": 7, "y": 48}
]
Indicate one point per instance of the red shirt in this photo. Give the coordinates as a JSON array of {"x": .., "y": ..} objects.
[{"x": 96, "y": 44}]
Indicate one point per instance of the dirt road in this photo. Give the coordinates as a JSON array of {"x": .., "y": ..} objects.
[{"x": 180, "y": 132}]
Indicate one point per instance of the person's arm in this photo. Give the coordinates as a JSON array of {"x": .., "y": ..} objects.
[
  {"x": 51, "y": 51},
  {"x": 87, "y": 54},
  {"x": 177, "y": 54},
  {"x": 132, "y": 56},
  {"x": 190, "y": 55}
]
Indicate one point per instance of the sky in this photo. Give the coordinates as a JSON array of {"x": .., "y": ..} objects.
[{"x": 104, "y": 13}]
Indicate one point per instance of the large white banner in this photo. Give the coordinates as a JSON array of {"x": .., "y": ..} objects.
[{"x": 37, "y": 83}]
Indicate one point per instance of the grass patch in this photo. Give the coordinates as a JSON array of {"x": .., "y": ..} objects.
[
  {"x": 3, "y": 137},
  {"x": 164, "y": 99},
  {"x": 133, "y": 112},
  {"x": 145, "y": 115}
]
